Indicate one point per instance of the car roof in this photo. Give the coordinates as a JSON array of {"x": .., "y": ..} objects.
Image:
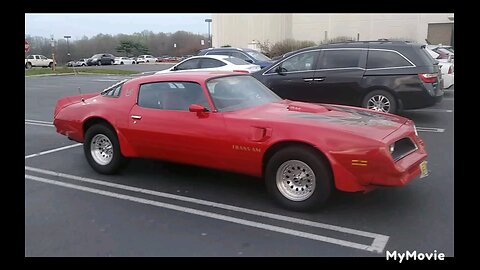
[
  {"x": 193, "y": 76},
  {"x": 226, "y": 48},
  {"x": 218, "y": 57}
]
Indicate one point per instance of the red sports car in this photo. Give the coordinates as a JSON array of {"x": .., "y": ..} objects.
[{"x": 233, "y": 122}]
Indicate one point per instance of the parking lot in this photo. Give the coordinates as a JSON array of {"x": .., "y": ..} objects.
[{"x": 155, "y": 208}]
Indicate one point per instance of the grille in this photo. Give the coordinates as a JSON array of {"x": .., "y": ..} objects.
[{"x": 403, "y": 147}]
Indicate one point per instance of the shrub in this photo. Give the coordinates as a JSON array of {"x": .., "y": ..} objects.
[{"x": 284, "y": 46}]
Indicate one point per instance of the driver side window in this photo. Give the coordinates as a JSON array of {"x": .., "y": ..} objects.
[{"x": 300, "y": 62}]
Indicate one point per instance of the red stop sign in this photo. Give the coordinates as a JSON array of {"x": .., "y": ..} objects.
[{"x": 27, "y": 46}]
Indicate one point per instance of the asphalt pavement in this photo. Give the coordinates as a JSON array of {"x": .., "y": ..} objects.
[{"x": 155, "y": 208}]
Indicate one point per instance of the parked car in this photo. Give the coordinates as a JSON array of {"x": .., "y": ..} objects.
[
  {"x": 212, "y": 62},
  {"x": 443, "y": 52},
  {"x": 445, "y": 62},
  {"x": 37, "y": 60},
  {"x": 124, "y": 61},
  {"x": 247, "y": 55},
  {"x": 233, "y": 122},
  {"x": 385, "y": 76},
  {"x": 146, "y": 59},
  {"x": 101, "y": 59},
  {"x": 70, "y": 64},
  {"x": 81, "y": 62}
]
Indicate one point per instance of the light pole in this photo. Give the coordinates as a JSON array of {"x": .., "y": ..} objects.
[
  {"x": 68, "y": 47},
  {"x": 209, "y": 36}
]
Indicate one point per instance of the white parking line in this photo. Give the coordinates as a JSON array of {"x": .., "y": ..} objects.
[
  {"x": 430, "y": 129},
  {"x": 209, "y": 215},
  {"x": 378, "y": 244},
  {"x": 38, "y": 124},
  {"x": 432, "y": 110},
  {"x": 53, "y": 150},
  {"x": 38, "y": 121}
]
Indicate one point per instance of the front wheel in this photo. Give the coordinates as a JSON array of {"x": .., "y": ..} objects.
[
  {"x": 102, "y": 149},
  {"x": 28, "y": 65},
  {"x": 381, "y": 101},
  {"x": 99, "y": 62},
  {"x": 298, "y": 178}
]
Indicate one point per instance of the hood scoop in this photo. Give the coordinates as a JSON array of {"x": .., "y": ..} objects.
[{"x": 306, "y": 107}]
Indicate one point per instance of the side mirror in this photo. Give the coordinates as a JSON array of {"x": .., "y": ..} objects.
[
  {"x": 196, "y": 108},
  {"x": 249, "y": 61},
  {"x": 280, "y": 70}
]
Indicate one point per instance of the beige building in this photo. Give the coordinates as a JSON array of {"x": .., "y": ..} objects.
[{"x": 239, "y": 30}]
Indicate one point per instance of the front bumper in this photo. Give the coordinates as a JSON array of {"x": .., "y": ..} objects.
[{"x": 370, "y": 168}]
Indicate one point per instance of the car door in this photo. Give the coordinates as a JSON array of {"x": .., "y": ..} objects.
[
  {"x": 42, "y": 61},
  {"x": 293, "y": 78},
  {"x": 161, "y": 125},
  {"x": 37, "y": 61},
  {"x": 338, "y": 76}
]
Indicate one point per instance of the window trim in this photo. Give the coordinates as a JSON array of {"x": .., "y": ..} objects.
[
  {"x": 395, "y": 67},
  {"x": 112, "y": 87},
  {"x": 329, "y": 49},
  {"x": 207, "y": 95}
]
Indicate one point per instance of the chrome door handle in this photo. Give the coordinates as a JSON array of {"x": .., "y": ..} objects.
[
  {"x": 319, "y": 79},
  {"x": 138, "y": 117},
  {"x": 307, "y": 80}
]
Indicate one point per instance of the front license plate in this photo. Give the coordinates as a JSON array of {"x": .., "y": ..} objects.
[{"x": 423, "y": 169}]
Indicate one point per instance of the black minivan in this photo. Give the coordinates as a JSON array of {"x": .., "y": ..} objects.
[{"x": 386, "y": 76}]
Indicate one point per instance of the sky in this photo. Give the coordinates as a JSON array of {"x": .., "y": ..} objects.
[{"x": 90, "y": 24}]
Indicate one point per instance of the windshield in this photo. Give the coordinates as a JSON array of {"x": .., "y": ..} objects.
[
  {"x": 97, "y": 56},
  {"x": 239, "y": 92},
  {"x": 258, "y": 56}
]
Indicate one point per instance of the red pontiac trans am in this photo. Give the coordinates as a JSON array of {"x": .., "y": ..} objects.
[{"x": 233, "y": 122}]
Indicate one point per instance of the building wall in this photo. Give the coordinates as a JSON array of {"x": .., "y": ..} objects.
[{"x": 240, "y": 29}]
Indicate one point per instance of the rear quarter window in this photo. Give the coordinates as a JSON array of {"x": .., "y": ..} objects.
[{"x": 386, "y": 59}]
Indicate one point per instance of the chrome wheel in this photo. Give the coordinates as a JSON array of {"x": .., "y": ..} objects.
[
  {"x": 379, "y": 103},
  {"x": 101, "y": 149},
  {"x": 295, "y": 180}
]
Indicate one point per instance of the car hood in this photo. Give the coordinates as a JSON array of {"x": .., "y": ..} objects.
[{"x": 354, "y": 120}]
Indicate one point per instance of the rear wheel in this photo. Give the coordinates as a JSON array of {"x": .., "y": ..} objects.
[
  {"x": 28, "y": 65},
  {"x": 50, "y": 64},
  {"x": 380, "y": 100},
  {"x": 102, "y": 149},
  {"x": 99, "y": 62},
  {"x": 298, "y": 178}
]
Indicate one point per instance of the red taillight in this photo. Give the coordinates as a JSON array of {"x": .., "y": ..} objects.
[
  {"x": 428, "y": 77},
  {"x": 241, "y": 71}
]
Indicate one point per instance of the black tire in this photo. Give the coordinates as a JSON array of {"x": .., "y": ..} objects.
[
  {"x": 112, "y": 62},
  {"x": 323, "y": 178},
  {"x": 99, "y": 62},
  {"x": 121, "y": 63},
  {"x": 28, "y": 65},
  {"x": 117, "y": 159},
  {"x": 50, "y": 64},
  {"x": 393, "y": 104}
]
